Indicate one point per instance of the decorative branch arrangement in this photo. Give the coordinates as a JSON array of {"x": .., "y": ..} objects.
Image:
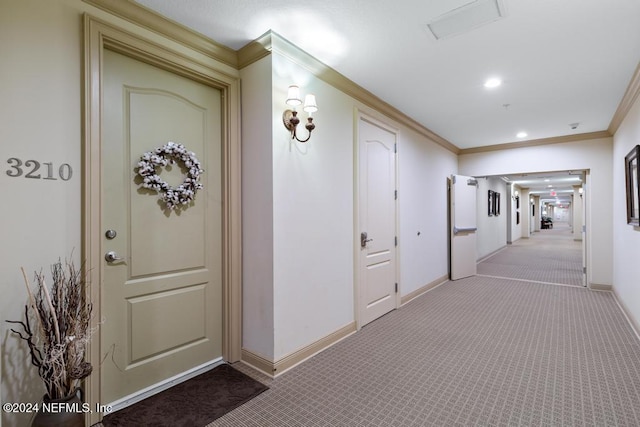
[{"x": 58, "y": 339}]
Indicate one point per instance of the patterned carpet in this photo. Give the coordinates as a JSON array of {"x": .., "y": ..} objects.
[
  {"x": 481, "y": 351},
  {"x": 550, "y": 256}
]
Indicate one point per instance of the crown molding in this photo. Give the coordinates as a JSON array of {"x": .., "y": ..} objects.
[
  {"x": 630, "y": 96},
  {"x": 152, "y": 21},
  {"x": 272, "y": 42},
  {"x": 537, "y": 142}
]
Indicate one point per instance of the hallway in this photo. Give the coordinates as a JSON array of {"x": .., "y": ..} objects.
[{"x": 548, "y": 256}]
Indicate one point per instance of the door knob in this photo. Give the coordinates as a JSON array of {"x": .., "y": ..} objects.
[
  {"x": 363, "y": 239},
  {"x": 112, "y": 256}
]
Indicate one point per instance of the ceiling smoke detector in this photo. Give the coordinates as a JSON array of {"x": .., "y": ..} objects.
[{"x": 466, "y": 18}]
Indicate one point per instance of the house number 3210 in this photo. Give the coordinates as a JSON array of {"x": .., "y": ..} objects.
[{"x": 36, "y": 170}]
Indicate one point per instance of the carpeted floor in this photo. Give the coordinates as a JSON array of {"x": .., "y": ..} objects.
[
  {"x": 481, "y": 351},
  {"x": 193, "y": 403},
  {"x": 550, "y": 256}
]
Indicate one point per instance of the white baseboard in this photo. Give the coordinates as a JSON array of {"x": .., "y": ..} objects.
[{"x": 163, "y": 385}]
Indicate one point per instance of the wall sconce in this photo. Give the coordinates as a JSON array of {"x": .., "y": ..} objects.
[
  {"x": 515, "y": 195},
  {"x": 580, "y": 190},
  {"x": 290, "y": 117}
]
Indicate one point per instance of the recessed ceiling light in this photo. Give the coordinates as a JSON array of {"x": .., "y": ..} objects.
[
  {"x": 492, "y": 82},
  {"x": 521, "y": 134}
]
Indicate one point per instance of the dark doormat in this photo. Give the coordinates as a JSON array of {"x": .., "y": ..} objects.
[{"x": 194, "y": 403}]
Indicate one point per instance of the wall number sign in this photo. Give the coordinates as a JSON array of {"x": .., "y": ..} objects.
[{"x": 36, "y": 170}]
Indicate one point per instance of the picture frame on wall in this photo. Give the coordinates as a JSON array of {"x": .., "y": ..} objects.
[
  {"x": 632, "y": 174},
  {"x": 490, "y": 203},
  {"x": 496, "y": 203}
]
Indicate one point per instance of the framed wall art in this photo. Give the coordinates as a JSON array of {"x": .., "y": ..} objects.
[
  {"x": 632, "y": 173},
  {"x": 496, "y": 203},
  {"x": 490, "y": 203}
]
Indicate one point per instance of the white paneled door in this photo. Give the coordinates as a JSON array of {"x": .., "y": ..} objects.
[
  {"x": 161, "y": 293},
  {"x": 463, "y": 226},
  {"x": 377, "y": 220}
]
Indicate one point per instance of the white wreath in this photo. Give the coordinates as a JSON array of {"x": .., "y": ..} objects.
[{"x": 163, "y": 156}]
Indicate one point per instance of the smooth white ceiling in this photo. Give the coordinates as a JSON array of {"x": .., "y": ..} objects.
[{"x": 561, "y": 61}]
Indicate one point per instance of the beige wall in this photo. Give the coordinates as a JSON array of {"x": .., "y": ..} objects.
[{"x": 40, "y": 83}]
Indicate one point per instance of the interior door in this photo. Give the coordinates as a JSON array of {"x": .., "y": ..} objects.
[
  {"x": 377, "y": 240},
  {"x": 463, "y": 226},
  {"x": 162, "y": 300}
]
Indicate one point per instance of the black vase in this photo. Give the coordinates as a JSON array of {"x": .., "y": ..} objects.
[{"x": 65, "y": 412}]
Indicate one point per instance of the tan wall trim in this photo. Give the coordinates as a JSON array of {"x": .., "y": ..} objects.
[
  {"x": 272, "y": 42},
  {"x": 426, "y": 288},
  {"x": 536, "y": 142},
  {"x": 629, "y": 97},
  {"x": 150, "y": 20},
  {"x": 600, "y": 287},
  {"x": 273, "y": 369},
  {"x": 257, "y": 362},
  {"x": 100, "y": 35}
]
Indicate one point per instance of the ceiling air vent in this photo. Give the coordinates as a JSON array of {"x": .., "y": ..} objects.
[{"x": 466, "y": 18}]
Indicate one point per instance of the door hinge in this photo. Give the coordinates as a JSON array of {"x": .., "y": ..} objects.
[
  {"x": 395, "y": 147},
  {"x": 584, "y": 270},
  {"x": 396, "y": 288},
  {"x": 395, "y": 195},
  {"x": 396, "y": 240}
]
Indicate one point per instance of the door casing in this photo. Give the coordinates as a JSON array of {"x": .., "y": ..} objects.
[{"x": 99, "y": 35}]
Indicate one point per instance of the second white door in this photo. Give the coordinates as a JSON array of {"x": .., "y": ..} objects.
[{"x": 378, "y": 289}]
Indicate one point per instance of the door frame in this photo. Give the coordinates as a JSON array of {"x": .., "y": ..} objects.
[
  {"x": 98, "y": 36},
  {"x": 359, "y": 116}
]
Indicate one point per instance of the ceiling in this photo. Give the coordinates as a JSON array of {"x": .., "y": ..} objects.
[{"x": 564, "y": 64}]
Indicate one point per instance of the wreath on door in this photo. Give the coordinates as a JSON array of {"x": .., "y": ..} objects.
[{"x": 171, "y": 153}]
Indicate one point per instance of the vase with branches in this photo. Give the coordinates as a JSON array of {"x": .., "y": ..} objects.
[{"x": 57, "y": 329}]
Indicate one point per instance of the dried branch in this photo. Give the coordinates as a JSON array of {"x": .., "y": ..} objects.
[{"x": 58, "y": 346}]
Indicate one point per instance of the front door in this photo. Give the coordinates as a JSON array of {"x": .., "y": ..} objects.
[
  {"x": 377, "y": 239},
  {"x": 161, "y": 301},
  {"x": 463, "y": 226}
]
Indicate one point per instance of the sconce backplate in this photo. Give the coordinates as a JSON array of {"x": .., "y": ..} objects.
[{"x": 286, "y": 120}]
